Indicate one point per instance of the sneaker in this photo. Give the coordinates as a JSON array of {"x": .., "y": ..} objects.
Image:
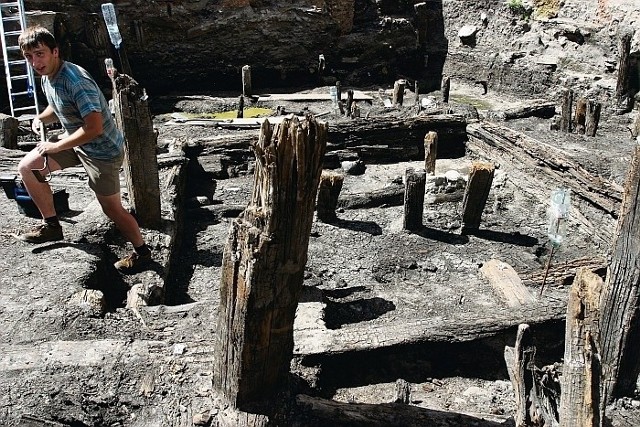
[
  {"x": 132, "y": 261},
  {"x": 43, "y": 233}
]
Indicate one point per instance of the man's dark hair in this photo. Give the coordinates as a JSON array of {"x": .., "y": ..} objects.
[{"x": 33, "y": 37}]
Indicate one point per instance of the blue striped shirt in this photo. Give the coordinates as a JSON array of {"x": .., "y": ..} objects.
[{"x": 73, "y": 94}]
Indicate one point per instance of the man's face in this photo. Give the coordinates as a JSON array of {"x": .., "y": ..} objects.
[{"x": 43, "y": 60}]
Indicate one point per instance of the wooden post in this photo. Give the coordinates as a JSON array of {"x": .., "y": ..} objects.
[
  {"x": 9, "y": 131},
  {"x": 415, "y": 182},
  {"x": 403, "y": 391},
  {"x": 620, "y": 309},
  {"x": 475, "y": 195},
  {"x": 263, "y": 265},
  {"x": 98, "y": 39},
  {"x": 592, "y": 117},
  {"x": 519, "y": 360},
  {"x": 536, "y": 389},
  {"x": 623, "y": 96},
  {"x": 124, "y": 60},
  {"x": 422, "y": 19},
  {"x": 580, "y": 381},
  {"x": 339, "y": 91},
  {"x": 445, "y": 86},
  {"x": 328, "y": 193},
  {"x": 635, "y": 127},
  {"x": 349, "y": 102},
  {"x": 398, "y": 92},
  {"x": 566, "y": 99},
  {"x": 240, "y": 107},
  {"x": 430, "y": 152},
  {"x": 140, "y": 158},
  {"x": 246, "y": 81},
  {"x": 581, "y": 116},
  {"x": 416, "y": 92}
]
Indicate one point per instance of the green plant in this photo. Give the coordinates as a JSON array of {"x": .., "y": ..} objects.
[{"x": 517, "y": 7}]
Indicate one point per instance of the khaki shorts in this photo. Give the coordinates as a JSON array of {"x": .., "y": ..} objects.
[{"x": 104, "y": 175}]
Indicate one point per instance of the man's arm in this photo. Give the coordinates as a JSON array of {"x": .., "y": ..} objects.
[
  {"x": 91, "y": 129},
  {"x": 44, "y": 118}
]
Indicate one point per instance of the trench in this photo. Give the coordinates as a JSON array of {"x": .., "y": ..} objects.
[{"x": 416, "y": 362}]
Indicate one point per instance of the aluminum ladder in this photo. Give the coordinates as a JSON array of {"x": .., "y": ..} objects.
[{"x": 21, "y": 86}]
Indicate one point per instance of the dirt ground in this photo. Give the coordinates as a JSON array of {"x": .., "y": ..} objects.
[{"x": 379, "y": 304}]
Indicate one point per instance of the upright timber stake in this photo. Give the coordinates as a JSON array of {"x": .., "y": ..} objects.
[
  {"x": 581, "y": 116},
  {"x": 263, "y": 266},
  {"x": 240, "y": 113},
  {"x": 141, "y": 163},
  {"x": 445, "y": 87},
  {"x": 398, "y": 92},
  {"x": 475, "y": 195},
  {"x": 349, "y": 102},
  {"x": 620, "y": 306},
  {"x": 246, "y": 81},
  {"x": 580, "y": 381},
  {"x": 328, "y": 193},
  {"x": 415, "y": 183},
  {"x": 623, "y": 96},
  {"x": 567, "y": 102},
  {"x": 536, "y": 390},
  {"x": 592, "y": 117},
  {"x": 430, "y": 152}
]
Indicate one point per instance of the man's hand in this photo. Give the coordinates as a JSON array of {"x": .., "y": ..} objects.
[
  {"x": 36, "y": 124},
  {"x": 46, "y": 147}
]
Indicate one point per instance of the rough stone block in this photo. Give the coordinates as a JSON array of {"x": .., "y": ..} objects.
[{"x": 8, "y": 131}]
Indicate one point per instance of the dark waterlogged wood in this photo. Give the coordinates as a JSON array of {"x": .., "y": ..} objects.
[
  {"x": 580, "y": 381},
  {"x": 141, "y": 161},
  {"x": 476, "y": 194},
  {"x": 405, "y": 133},
  {"x": 534, "y": 155},
  {"x": 430, "y": 152},
  {"x": 537, "y": 394},
  {"x": 566, "y": 102},
  {"x": 415, "y": 181},
  {"x": 318, "y": 412},
  {"x": 581, "y": 116},
  {"x": 620, "y": 308},
  {"x": 592, "y": 118},
  {"x": 398, "y": 92},
  {"x": 623, "y": 96},
  {"x": 543, "y": 109},
  {"x": 246, "y": 81},
  {"x": 263, "y": 265},
  {"x": 328, "y": 194},
  {"x": 445, "y": 87}
]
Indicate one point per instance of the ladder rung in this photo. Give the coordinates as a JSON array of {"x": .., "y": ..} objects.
[
  {"x": 12, "y": 33},
  {"x": 24, "y": 108},
  {"x": 22, "y": 77},
  {"x": 11, "y": 18},
  {"x": 13, "y": 47},
  {"x": 21, "y": 93},
  {"x": 25, "y": 117},
  {"x": 17, "y": 62},
  {"x": 13, "y": 3}
]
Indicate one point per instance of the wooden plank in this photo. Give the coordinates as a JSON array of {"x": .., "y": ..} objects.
[
  {"x": 318, "y": 96},
  {"x": 504, "y": 279}
]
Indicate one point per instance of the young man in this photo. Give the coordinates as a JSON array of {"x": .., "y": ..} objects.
[{"x": 90, "y": 139}]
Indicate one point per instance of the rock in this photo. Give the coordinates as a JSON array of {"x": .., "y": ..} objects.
[
  {"x": 8, "y": 131},
  {"x": 354, "y": 168},
  {"x": 203, "y": 419},
  {"x": 467, "y": 35},
  {"x": 91, "y": 301}
]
